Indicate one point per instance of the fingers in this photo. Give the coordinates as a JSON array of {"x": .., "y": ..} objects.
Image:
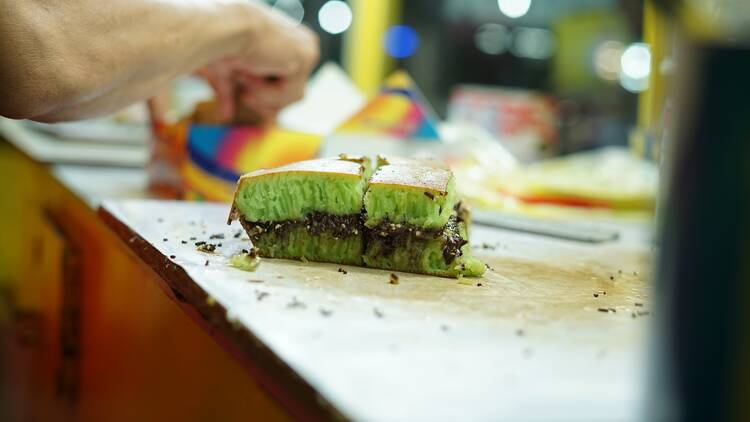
[
  {"x": 219, "y": 77},
  {"x": 278, "y": 94},
  {"x": 272, "y": 71}
]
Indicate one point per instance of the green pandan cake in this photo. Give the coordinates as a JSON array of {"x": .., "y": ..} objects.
[{"x": 403, "y": 215}]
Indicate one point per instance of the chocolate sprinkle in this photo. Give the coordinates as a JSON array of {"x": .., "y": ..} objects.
[{"x": 394, "y": 279}]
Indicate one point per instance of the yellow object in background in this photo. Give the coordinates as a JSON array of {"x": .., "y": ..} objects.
[{"x": 364, "y": 57}]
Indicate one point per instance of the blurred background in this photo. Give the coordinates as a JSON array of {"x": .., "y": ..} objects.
[
  {"x": 573, "y": 119},
  {"x": 568, "y": 52}
]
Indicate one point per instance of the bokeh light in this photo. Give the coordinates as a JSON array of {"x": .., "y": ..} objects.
[
  {"x": 514, "y": 8},
  {"x": 635, "y": 66},
  {"x": 533, "y": 43},
  {"x": 292, "y": 8},
  {"x": 491, "y": 38},
  {"x": 335, "y": 17},
  {"x": 400, "y": 41},
  {"x": 607, "y": 59}
]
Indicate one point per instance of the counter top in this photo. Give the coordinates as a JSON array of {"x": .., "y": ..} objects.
[{"x": 555, "y": 330}]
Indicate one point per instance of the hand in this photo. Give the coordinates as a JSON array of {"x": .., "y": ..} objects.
[{"x": 271, "y": 70}]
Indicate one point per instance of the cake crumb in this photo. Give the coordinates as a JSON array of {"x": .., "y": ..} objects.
[
  {"x": 325, "y": 312},
  {"x": 393, "y": 279},
  {"x": 295, "y": 304},
  {"x": 342, "y": 271},
  {"x": 377, "y": 312}
]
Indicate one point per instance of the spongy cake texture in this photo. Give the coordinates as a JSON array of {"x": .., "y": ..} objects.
[
  {"x": 404, "y": 217},
  {"x": 291, "y": 192},
  {"x": 418, "y": 195}
]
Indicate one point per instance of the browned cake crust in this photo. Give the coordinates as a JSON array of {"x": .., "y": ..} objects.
[
  {"x": 334, "y": 167},
  {"x": 410, "y": 176}
]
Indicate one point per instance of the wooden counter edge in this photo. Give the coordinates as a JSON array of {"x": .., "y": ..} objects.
[{"x": 295, "y": 394}]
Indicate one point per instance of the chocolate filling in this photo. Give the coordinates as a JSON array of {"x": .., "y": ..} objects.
[
  {"x": 393, "y": 235},
  {"x": 389, "y": 235},
  {"x": 316, "y": 223}
]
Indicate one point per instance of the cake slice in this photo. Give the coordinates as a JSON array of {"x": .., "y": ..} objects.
[
  {"x": 405, "y": 217},
  {"x": 305, "y": 210},
  {"x": 414, "y": 221}
]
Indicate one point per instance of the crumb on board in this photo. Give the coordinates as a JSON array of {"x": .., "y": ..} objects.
[
  {"x": 216, "y": 236},
  {"x": 184, "y": 242},
  {"x": 378, "y": 313},
  {"x": 237, "y": 234},
  {"x": 444, "y": 327},
  {"x": 638, "y": 304},
  {"x": 255, "y": 280},
  {"x": 172, "y": 256},
  {"x": 260, "y": 295},
  {"x": 480, "y": 284},
  {"x": 206, "y": 264},
  {"x": 159, "y": 220},
  {"x": 165, "y": 239},
  {"x": 295, "y": 304},
  {"x": 605, "y": 310},
  {"x": 393, "y": 279},
  {"x": 205, "y": 247},
  {"x": 325, "y": 312},
  {"x": 519, "y": 332},
  {"x": 342, "y": 271},
  {"x": 245, "y": 260}
]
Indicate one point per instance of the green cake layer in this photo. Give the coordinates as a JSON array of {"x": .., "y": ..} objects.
[
  {"x": 332, "y": 186},
  {"x": 415, "y": 194},
  {"x": 298, "y": 244},
  {"x": 404, "y": 217}
]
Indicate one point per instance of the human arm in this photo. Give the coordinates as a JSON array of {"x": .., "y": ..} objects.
[{"x": 73, "y": 59}]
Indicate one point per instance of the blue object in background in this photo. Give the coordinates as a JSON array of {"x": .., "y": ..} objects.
[{"x": 400, "y": 41}]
